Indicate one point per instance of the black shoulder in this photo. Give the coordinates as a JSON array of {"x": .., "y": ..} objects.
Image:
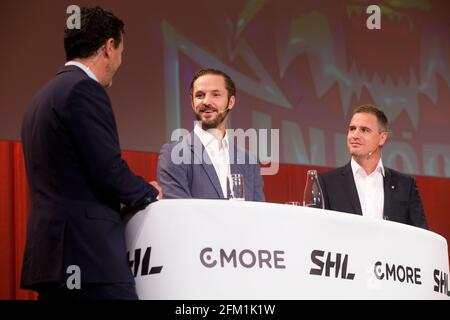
[
  {"x": 398, "y": 175},
  {"x": 333, "y": 173}
]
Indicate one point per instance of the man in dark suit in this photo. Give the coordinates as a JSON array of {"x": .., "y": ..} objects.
[
  {"x": 364, "y": 186},
  {"x": 75, "y": 247},
  {"x": 208, "y": 154}
]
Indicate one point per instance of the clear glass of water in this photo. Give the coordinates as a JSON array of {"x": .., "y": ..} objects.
[{"x": 235, "y": 186}]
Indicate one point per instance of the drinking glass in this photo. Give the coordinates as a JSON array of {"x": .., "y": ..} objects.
[{"x": 235, "y": 186}]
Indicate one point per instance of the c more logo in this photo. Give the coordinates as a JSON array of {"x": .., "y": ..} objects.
[
  {"x": 245, "y": 258},
  {"x": 400, "y": 273}
]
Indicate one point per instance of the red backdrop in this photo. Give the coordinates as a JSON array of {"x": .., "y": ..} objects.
[{"x": 287, "y": 185}]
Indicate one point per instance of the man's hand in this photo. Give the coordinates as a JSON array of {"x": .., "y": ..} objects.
[{"x": 157, "y": 187}]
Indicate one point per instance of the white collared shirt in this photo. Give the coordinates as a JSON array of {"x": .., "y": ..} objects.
[
  {"x": 218, "y": 152},
  {"x": 82, "y": 67},
  {"x": 370, "y": 189}
]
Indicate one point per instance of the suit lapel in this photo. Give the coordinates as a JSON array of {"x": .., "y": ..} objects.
[
  {"x": 202, "y": 157},
  {"x": 389, "y": 186},
  {"x": 349, "y": 183}
]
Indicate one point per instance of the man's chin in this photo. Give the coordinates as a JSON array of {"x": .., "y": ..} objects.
[
  {"x": 209, "y": 125},
  {"x": 209, "y": 122},
  {"x": 358, "y": 155},
  {"x": 107, "y": 85}
]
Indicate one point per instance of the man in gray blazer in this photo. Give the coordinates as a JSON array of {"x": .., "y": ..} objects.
[{"x": 199, "y": 164}]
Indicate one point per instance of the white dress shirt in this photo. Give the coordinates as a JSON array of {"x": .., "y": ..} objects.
[
  {"x": 370, "y": 189},
  {"x": 82, "y": 67},
  {"x": 218, "y": 152}
]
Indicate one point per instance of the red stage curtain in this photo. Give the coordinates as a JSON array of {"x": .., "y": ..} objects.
[
  {"x": 287, "y": 185},
  {"x": 14, "y": 204}
]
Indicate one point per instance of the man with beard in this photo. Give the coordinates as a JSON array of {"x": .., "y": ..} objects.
[
  {"x": 199, "y": 164},
  {"x": 364, "y": 186}
]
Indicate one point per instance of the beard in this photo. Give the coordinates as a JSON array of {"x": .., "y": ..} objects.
[
  {"x": 211, "y": 123},
  {"x": 215, "y": 122}
]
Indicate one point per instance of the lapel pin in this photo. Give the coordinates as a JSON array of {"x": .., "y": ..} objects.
[{"x": 393, "y": 187}]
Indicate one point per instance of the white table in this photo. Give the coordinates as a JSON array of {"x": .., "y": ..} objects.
[{"x": 224, "y": 249}]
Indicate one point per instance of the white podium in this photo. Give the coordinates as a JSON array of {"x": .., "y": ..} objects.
[{"x": 224, "y": 249}]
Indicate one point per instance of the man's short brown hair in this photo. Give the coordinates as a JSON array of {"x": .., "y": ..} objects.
[
  {"x": 229, "y": 84},
  {"x": 377, "y": 112}
]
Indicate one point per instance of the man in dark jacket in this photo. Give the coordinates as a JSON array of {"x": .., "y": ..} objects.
[
  {"x": 364, "y": 186},
  {"x": 78, "y": 180}
]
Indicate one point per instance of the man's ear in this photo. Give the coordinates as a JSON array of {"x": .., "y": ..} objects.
[
  {"x": 384, "y": 136},
  {"x": 231, "y": 102},
  {"x": 109, "y": 46}
]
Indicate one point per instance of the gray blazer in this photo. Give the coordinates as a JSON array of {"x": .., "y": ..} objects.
[{"x": 194, "y": 178}]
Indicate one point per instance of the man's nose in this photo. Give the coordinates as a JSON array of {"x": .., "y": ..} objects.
[
  {"x": 206, "y": 99},
  {"x": 355, "y": 134}
]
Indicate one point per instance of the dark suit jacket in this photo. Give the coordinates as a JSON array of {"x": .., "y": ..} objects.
[
  {"x": 197, "y": 178},
  {"x": 77, "y": 180},
  {"x": 401, "y": 198}
]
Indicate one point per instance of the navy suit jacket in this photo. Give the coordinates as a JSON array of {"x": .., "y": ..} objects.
[
  {"x": 196, "y": 178},
  {"x": 401, "y": 198},
  {"x": 77, "y": 180}
]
